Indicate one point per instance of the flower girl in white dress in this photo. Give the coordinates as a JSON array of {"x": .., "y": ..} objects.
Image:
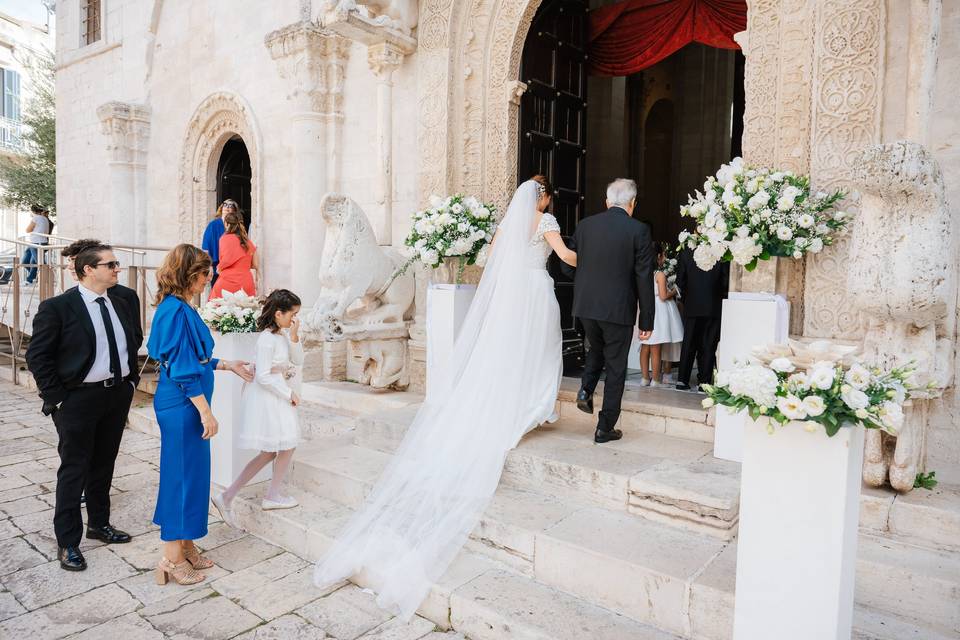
[
  {"x": 268, "y": 406},
  {"x": 667, "y": 338}
]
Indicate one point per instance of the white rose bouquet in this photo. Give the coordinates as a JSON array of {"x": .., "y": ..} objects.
[
  {"x": 233, "y": 313},
  {"x": 747, "y": 214},
  {"x": 815, "y": 384},
  {"x": 453, "y": 227}
]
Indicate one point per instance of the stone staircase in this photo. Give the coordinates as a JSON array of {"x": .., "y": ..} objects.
[{"x": 629, "y": 540}]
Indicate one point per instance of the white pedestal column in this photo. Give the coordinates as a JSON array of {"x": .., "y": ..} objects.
[
  {"x": 227, "y": 459},
  {"x": 797, "y": 549},
  {"x": 749, "y": 320},
  {"x": 447, "y": 306}
]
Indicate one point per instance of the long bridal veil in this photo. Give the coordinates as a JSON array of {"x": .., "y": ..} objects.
[{"x": 444, "y": 473}]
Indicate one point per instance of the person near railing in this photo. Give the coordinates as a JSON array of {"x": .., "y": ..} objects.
[
  {"x": 215, "y": 229},
  {"x": 238, "y": 255},
  {"x": 38, "y": 231},
  {"x": 181, "y": 343},
  {"x": 83, "y": 357}
]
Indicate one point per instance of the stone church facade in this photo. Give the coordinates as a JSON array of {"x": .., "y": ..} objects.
[{"x": 337, "y": 101}]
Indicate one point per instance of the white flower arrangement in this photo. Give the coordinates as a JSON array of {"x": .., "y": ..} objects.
[
  {"x": 815, "y": 384},
  {"x": 233, "y": 313},
  {"x": 453, "y": 227},
  {"x": 748, "y": 214}
]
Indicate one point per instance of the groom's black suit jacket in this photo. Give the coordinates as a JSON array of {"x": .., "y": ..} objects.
[
  {"x": 702, "y": 292},
  {"x": 614, "y": 272}
]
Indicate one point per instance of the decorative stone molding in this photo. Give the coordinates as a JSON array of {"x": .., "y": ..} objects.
[
  {"x": 218, "y": 118},
  {"x": 384, "y": 58},
  {"x": 312, "y": 60},
  {"x": 847, "y": 82},
  {"x": 128, "y": 129},
  {"x": 396, "y": 15},
  {"x": 515, "y": 91}
]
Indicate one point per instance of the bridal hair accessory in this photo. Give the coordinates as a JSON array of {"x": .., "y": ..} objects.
[{"x": 541, "y": 190}]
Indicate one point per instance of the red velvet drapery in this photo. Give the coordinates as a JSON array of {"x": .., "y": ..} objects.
[{"x": 630, "y": 36}]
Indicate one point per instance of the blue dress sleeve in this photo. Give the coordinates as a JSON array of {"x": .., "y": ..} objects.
[{"x": 175, "y": 345}]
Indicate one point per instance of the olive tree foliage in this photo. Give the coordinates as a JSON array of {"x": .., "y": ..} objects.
[{"x": 30, "y": 177}]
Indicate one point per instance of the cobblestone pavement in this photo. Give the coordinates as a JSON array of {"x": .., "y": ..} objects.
[{"x": 256, "y": 591}]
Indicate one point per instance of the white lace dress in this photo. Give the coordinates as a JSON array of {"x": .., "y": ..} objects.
[
  {"x": 268, "y": 422},
  {"x": 547, "y": 369}
]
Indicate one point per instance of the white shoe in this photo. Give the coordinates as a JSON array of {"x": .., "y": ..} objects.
[
  {"x": 287, "y": 502},
  {"x": 654, "y": 383},
  {"x": 644, "y": 382},
  {"x": 223, "y": 508}
]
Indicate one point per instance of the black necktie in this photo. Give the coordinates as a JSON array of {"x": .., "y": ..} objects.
[{"x": 111, "y": 341}]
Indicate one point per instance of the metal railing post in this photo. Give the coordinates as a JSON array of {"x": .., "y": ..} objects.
[{"x": 15, "y": 336}]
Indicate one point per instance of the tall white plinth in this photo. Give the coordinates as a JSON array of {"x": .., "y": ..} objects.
[
  {"x": 447, "y": 306},
  {"x": 226, "y": 458},
  {"x": 797, "y": 548},
  {"x": 749, "y": 320}
]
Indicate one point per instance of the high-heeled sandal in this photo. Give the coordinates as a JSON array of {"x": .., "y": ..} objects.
[
  {"x": 192, "y": 555},
  {"x": 182, "y": 573}
]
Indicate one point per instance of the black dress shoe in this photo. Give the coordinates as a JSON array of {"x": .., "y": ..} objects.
[
  {"x": 585, "y": 401},
  {"x": 607, "y": 436},
  {"x": 108, "y": 534},
  {"x": 71, "y": 559},
  {"x": 683, "y": 386}
]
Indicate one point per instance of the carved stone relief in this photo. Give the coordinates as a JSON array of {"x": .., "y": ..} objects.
[{"x": 847, "y": 79}]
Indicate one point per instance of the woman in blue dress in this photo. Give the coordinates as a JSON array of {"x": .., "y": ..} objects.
[{"x": 182, "y": 344}]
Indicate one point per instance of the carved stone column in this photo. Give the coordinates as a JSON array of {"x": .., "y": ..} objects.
[
  {"x": 385, "y": 58},
  {"x": 128, "y": 129},
  {"x": 386, "y": 48},
  {"x": 310, "y": 59}
]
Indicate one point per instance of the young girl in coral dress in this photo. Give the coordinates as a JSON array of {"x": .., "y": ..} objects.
[{"x": 238, "y": 255}]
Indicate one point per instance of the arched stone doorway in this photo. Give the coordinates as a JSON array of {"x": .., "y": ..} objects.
[
  {"x": 654, "y": 201},
  {"x": 233, "y": 176},
  {"x": 221, "y": 124}
]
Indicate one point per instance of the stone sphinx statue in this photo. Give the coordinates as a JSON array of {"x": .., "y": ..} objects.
[
  {"x": 401, "y": 15},
  {"x": 902, "y": 277},
  {"x": 364, "y": 299}
]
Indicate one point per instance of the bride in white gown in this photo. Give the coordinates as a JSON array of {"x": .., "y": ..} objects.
[{"x": 501, "y": 381}]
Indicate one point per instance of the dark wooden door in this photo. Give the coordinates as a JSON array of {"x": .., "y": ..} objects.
[
  {"x": 552, "y": 131},
  {"x": 233, "y": 177}
]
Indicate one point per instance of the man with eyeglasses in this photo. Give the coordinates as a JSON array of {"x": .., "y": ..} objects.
[
  {"x": 129, "y": 295},
  {"x": 83, "y": 357},
  {"x": 211, "y": 235}
]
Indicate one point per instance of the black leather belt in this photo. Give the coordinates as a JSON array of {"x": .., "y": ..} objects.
[{"x": 109, "y": 382}]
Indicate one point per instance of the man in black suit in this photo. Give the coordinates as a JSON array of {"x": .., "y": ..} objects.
[
  {"x": 702, "y": 293},
  {"x": 118, "y": 290},
  {"x": 614, "y": 275},
  {"x": 83, "y": 357}
]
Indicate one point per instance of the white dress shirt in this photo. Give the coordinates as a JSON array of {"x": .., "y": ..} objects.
[{"x": 101, "y": 365}]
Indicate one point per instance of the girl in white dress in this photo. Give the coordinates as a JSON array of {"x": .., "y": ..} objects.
[
  {"x": 667, "y": 338},
  {"x": 268, "y": 406}
]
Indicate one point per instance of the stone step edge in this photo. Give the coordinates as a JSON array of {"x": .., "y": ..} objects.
[
  {"x": 439, "y": 606},
  {"x": 500, "y": 550}
]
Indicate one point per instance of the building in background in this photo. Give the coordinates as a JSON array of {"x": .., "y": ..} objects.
[{"x": 24, "y": 42}]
